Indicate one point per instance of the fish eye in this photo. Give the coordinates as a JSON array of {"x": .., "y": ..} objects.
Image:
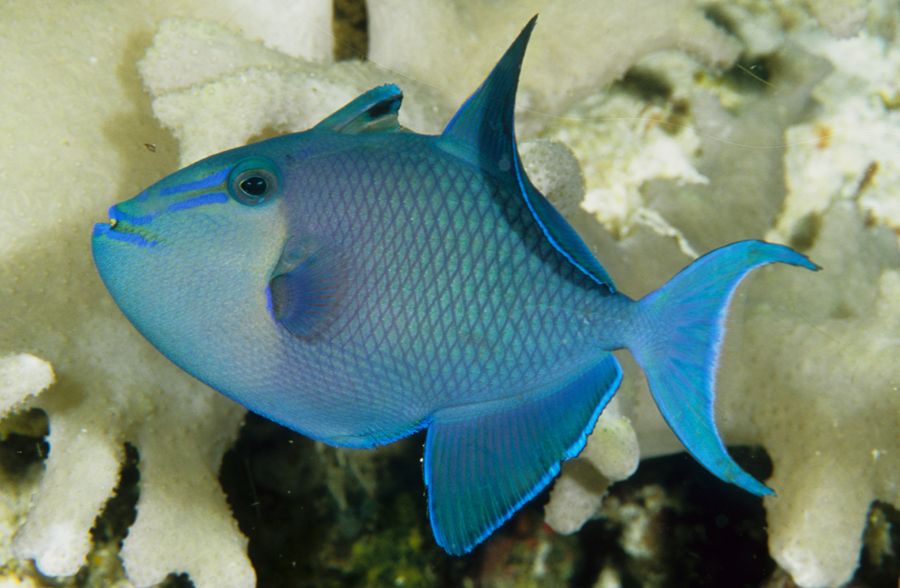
[{"x": 253, "y": 181}]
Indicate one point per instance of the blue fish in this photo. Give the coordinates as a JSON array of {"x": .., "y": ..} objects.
[{"x": 358, "y": 282}]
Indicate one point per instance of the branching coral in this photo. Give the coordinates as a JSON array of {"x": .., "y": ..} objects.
[
  {"x": 216, "y": 90},
  {"x": 579, "y": 46},
  {"x": 852, "y": 148},
  {"x": 737, "y": 148},
  {"x": 807, "y": 371},
  {"x": 831, "y": 346}
]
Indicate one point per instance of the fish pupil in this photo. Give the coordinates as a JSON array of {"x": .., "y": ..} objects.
[
  {"x": 253, "y": 181},
  {"x": 254, "y": 186}
]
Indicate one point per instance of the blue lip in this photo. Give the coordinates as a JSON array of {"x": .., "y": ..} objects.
[{"x": 100, "y": 229}]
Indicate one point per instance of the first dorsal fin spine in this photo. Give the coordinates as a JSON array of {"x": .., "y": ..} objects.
[{"x": 374, "y": 111}]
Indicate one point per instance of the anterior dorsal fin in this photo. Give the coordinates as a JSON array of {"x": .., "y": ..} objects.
[
  {"x": 483, "y": 129},
  {"x": 375, "y": 110}
]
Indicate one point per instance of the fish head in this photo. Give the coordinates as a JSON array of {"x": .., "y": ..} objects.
[{"x": 195, "y": 251}]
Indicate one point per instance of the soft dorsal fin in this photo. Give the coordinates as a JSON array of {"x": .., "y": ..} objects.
[
  {"x": 484, "y": 122},
  {"x": 375, "y": 110},
  {"x": 483, "y": 128}
]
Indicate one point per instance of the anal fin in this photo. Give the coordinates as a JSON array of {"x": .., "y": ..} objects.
[{"x": 484, "y": 461}]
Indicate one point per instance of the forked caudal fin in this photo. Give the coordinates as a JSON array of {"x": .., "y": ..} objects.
[{"x": 677, "y": 345}]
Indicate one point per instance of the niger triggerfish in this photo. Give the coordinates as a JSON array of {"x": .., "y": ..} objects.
[{"x": 358, "y": 282}]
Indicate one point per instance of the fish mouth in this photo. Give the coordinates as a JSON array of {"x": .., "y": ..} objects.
[{"x": 124, "y": 227}]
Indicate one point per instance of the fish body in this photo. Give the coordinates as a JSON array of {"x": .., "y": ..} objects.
[{"x": 358, "y": 282}]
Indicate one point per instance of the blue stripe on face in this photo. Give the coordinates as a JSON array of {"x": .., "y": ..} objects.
[
  {"x": 117, "y": 215},
  {"x": 203, "y": 183},
  {"x": 202, "y": 200}
]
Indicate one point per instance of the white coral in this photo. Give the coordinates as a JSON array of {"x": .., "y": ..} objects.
[
  {"x": 78, "y": 137},
  {"x": 578, "y": 47},
  {"x": 808, "y": 371},
  {"x": 852, "y": 148},
  {"x": 215, "y": 90},
  {"x": 831, "y": 343}
]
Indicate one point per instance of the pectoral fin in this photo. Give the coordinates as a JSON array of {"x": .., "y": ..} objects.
[{"x": 305, "y": 290}]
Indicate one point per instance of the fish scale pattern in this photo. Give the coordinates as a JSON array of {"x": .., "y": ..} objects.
[{"x": 452, "y": 295}]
